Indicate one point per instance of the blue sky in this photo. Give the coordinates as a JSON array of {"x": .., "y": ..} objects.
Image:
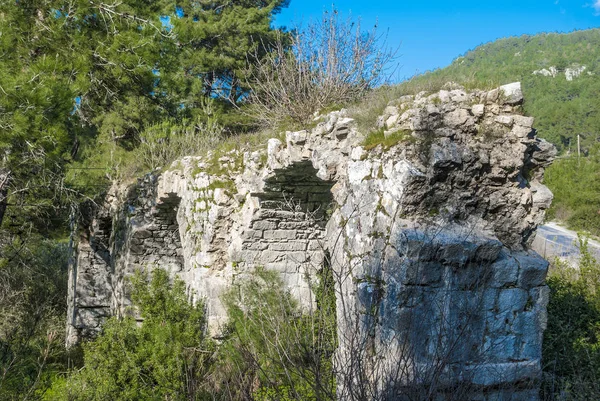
[{"x": 432, "y": 33}]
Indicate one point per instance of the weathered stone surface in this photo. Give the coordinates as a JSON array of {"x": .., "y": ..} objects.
[
  {"x": 512, "y": 93},
  {"x": 428, "y": 240},
  {"x": 533, "y": 270}
]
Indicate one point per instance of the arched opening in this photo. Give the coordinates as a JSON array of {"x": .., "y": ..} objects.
[{"x": 288, "y": 229}]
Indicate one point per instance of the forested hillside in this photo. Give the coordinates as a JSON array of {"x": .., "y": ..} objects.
[{"x": 560, "y": 94}]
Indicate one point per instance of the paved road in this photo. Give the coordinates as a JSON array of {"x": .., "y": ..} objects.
[{"x": 553, "y": 240}]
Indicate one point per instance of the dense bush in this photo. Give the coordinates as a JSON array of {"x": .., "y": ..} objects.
[
  {"x": 164, "y": 358},
  {"x": 273, "y": 350},
  {"x": 270, "y": 349},
  {"x": 33, "y": 290},
  {"x": 571, "y": 348}
]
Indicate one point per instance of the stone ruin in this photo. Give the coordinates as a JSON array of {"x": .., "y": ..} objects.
[{"x": 427, "y": 234}]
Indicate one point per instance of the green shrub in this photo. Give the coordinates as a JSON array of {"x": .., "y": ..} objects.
[
  {"x": 273, "y": 350},
  {"x": 33, "y": 289},
  {"x": 165, "y": 358},
  {"x": 571, "y": 348}
]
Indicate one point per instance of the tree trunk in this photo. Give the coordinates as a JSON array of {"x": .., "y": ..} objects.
[{"x": 4, "y": 184}]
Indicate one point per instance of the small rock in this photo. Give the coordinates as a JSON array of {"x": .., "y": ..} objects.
[
  {"x": 296, "y": 138},
  {"x": 504, "y": 120},
  {"x": 220, "y": 196},
  {"x": 478, "y": 110},
  {"x": 357, "y": 153},
  {"x": 524, "y": 121},
  {"x": 492, "y": 96},
  {"x": 512, "y": 93},
  {"x": 390, "y": 122}
]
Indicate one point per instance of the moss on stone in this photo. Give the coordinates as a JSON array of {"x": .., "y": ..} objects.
[{"x": 376, "y": 138}]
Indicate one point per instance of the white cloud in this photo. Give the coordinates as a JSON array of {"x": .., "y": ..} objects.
[{"x": 596, "y": 6}]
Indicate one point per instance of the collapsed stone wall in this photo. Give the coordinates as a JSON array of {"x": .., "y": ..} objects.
[{"x": 428, "y": 240}]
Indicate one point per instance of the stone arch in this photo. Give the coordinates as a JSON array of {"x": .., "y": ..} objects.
[
  {"x": 287, "y": 231},
  {"x": 158, "y": 242}
]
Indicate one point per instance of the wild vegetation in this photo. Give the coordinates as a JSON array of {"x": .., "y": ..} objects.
[
  {"x": 269, "y": 351},
  {"x": 571, "y": 348},
  {"x": 166, "y": 357},
  {"x": 575, "y": 182},
  {"x": 96, "y": 92},
  {"x": 93, "y": 92}
]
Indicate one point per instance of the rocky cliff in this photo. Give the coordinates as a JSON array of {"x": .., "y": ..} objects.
[{"x": 427, "y": 235}]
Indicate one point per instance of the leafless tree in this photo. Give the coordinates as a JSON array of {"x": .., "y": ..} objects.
[{"x": 329, "y": 62}]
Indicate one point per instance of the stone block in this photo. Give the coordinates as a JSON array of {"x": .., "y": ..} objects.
[
  {"x": 498, "y": 374},
  {"x": 320, "y": 197},
  {"x": 90, "y": 317},
  {"x": 296, "y": 257},
  {"x": 283, "y": 267},
  {"x": 262, "y": 225},
  {"x": 251, "y": 234},
  {"x": 280, "y": 234},
  {"x": 504, "y": 120},
  {"x": 501, "y": 348},
  {"x": 524, "y": 121},
  {"x": 505, "y": 272},
  {"x": 294, "y": 225},
  {"x": 488, "y": 251},
  {"x": 142, "y": 234},
  {"x": 512, "y": 93},
  {"x": 499, "y": 323},
  {"x": 533, "y": 270},
  {"x": 456, "y": 118},
  {"x": 358, "y": 170},
  {"x": 478, "y": 110},
  {"x": 288, "y": 246},
  {"x": 472, "y": 276},
  {"x": 316, "y": 245},
  {"x": 250, "y": 256},
  {"x": 256, "y": 246},
  {"x": 521, "y": 132},
  {"x": 422, "y": 273},
  {"x": 456, "y": 253},
  {"x": 271, "y": 256},
  {"x": 137, "y": 249},
  {"x": 296, "y": 138}
]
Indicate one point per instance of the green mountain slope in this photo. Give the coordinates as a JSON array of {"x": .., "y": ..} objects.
[{"x": 563, "y": 108}]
